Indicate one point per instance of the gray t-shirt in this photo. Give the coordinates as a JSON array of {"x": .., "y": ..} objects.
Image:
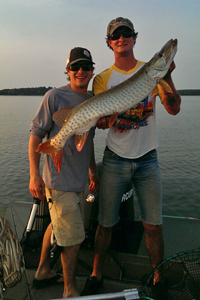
[{"x": 73, "y": 175}]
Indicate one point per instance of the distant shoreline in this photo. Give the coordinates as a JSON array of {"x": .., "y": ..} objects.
[
  {"x": 36, "y": 91},
  {"x": 40, "y": 91},
  {"x": 189, "y": 92}
]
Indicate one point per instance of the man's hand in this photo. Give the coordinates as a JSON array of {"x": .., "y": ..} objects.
[
  {"x": 37, "y": 187},
  {"x": 94, "y": 183},
  {"x": 171, "y": 101},
  {"x": 171, "y": 69},
  {"x": 103, "y": 123}
]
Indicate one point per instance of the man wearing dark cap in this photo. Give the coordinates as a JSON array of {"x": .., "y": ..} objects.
[
  {"x": 64, "y": 191},
  {"x": 130, "y": 154}
]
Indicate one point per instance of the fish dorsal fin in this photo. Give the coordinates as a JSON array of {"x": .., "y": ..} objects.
[
  {"x": 113, "y": 118},
  {"x": 61, "y": 116},
  {"x": 165, "y": 86},
  {"x": 80, "y": 140}
]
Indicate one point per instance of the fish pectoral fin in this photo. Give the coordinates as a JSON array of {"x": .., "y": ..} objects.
[
  {"x": 55, "y": 154},
  {"x": 112, "y": 119},
  {"x": 165, "y": 86},
  {"x": 154, "y": 92},
  {"x": 61, "y": 116},
  {"x": 80, "y": 140}
]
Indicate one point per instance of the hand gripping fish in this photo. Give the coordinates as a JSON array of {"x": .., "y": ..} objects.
[{"x": 109, "y": 103}]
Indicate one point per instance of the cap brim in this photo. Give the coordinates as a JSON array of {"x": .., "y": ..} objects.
[
  {"x": 80, "y": 59},
  {"x": 121, "y": 25}
]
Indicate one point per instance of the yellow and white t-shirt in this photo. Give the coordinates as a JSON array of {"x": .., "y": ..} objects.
[{"x": 135, "y": 132}]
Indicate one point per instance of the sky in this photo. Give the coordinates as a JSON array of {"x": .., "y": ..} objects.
[{"x": 37, "y": 35}]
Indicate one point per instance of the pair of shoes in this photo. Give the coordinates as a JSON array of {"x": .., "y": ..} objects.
[
  {"x": 41, "y": 284},
  {"x": 92, "y": 286}
]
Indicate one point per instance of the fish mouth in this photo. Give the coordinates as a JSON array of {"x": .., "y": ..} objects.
[
  {"x": 170, "y": 49},
  {"x": 162, "y": 59}
]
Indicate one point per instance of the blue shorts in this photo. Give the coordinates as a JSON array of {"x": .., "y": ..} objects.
[{"x": 117, "y": 173}]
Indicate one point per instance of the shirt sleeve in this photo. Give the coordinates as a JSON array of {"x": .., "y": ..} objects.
[
  {"x": 42, "y": 123},
  {"x": 99, "y": 85}
]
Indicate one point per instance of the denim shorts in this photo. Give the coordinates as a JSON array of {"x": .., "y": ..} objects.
[{"x": 143, "y": 173}]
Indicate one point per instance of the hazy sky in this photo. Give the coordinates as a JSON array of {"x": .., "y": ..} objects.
[{"x": 36, "y": 36}]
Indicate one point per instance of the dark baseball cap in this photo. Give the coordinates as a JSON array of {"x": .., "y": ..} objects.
[{"x": 78, "y": 54}]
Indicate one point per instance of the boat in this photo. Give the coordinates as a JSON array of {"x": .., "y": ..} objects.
[{"x": 127, "y": 269}]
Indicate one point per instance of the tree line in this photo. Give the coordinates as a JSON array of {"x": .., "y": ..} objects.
[
  {"x": 40, "y": 91},
  {"x": 189, "y": 92},
  {"x": 30, "y": 91}
]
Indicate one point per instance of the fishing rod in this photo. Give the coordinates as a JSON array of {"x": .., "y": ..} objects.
[
  {"x": 26, "y": 235},
  {"x": 29, "y": 292}
]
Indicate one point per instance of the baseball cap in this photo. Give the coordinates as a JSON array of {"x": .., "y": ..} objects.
[
  {"x": 77, "y": 54},
  {"x": 118, "y": 22}
]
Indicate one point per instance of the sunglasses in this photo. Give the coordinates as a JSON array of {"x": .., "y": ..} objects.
[
  {"x": 85, "y": 67},
  {"x": 117, "y": 35}
]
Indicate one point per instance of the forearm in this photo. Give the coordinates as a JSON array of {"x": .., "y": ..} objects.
[
  {"x": 34, "y": 157},
  {"x": 172, "y": 100},
  {"x": 172, "y": 103},
  {"x": 36, "y": 183}
]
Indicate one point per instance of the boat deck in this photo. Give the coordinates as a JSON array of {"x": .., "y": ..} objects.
[
  {"x": 55, "y": 292},
  {"x": 122, "y": 270}
]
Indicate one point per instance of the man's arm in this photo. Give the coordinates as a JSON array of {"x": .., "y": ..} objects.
[
  {"x": 36, "y": 183},
  {"x": 171, "y": 101},
  {"x": 94, "y": 180}
]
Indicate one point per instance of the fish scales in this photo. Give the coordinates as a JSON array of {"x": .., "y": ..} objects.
[
  {"x": 131, "y": 95},
  {"x": 108, "y": 104}
]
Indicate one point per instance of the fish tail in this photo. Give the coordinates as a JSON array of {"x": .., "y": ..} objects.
[{"x": 55, "y": 154}]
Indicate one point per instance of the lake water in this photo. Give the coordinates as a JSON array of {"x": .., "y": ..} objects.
[{"x": 179, "y": 152}]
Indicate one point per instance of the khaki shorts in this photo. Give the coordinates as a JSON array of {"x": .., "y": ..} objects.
[{"x": 67, "y": 216}]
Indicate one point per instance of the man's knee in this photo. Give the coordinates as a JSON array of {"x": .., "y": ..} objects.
[
  {"x": 153, "y": 230},
  {"x": 103, "y": 233},
  {"x": 104, "y": 230},
  {"x": 67, "y": 250}
]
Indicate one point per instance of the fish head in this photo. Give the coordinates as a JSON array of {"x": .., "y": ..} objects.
[{"x": 159, "y": 65}]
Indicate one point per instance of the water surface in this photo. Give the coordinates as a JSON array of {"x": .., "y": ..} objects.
[{"x": 179, "y": 152}]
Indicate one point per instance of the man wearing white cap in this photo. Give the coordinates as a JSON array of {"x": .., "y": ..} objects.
[{"x": 130, "y": 153}]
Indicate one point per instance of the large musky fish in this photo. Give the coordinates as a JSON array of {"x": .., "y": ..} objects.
[{"x": 122, "y": 97}]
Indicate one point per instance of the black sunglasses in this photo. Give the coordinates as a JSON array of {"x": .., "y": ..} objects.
[
  {"x": 117, "y": 35},
  {"x": 85, "y": 67}
]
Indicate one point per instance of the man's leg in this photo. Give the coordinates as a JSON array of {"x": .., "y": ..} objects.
[
  {"x": 115, "y": 176},
  {"x": 66, "y": 215},
  {"x": 69, "y": 258},
  {"x": 148, "y": 187},
  {"x": 102, "y": 243},
  {"x": 155, "y": 245},
  {"x": 101, "y": 246},
  {"x": 44, "y": 271}
]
